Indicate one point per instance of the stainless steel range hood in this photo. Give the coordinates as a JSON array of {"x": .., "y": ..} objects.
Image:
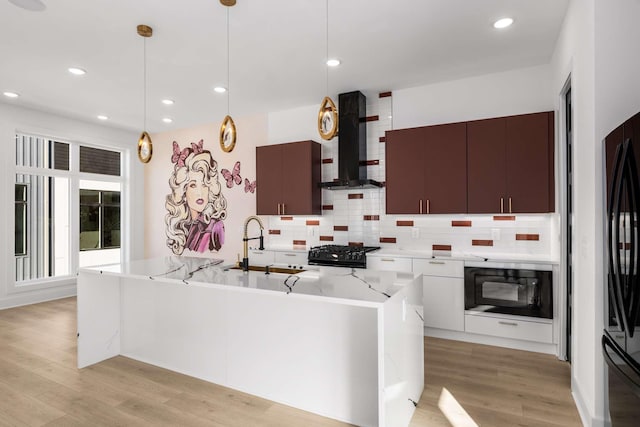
[{"x": 352, "y": 144}]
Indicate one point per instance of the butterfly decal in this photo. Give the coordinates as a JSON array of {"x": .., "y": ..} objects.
[
  {"x": 249, "y": 186},
  {"x": 197, "y": 148},
  {"x": 232, "y": 177},
  {"x": 178, "y": 156}
]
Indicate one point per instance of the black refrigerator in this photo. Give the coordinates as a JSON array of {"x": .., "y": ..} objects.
[{"x": 621, "y": 337}]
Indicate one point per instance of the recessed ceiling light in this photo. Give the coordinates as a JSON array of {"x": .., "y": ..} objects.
[
  {"x": 167, "y": 120},
  {"x": 503, "y": 23},
  {"x": 33, "y": 5},
  {"x": 167, "y": 101},
  {"x": 102, "y": 117},
  {"x": 333, "y": 62},
  {"x": 220, "y": 89},
  {"x": 10, "y": 94},
  {"x": 77, "y": 71}
]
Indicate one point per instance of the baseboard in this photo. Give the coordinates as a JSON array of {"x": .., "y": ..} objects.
[
  {"x": 587, "y": 419},
  {"x": 42, "y": 295}
]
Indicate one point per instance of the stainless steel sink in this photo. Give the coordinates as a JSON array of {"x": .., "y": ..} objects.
[{"x": 272, "y": 269}]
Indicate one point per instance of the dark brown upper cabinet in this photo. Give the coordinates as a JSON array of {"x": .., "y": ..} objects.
[
  {"x": 288, "y": 176},
  {"x": 510, "y": 164},
  {"x": 426, "y": 170}
]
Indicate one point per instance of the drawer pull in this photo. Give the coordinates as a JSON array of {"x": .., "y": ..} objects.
[
  {"x": 289, "y": 254},
  {"x": 258, "y": 253},
  {"x": 437, "y": 262},
  {"x": 507, "y": 323},
  {"x": 388, "y": 260}
]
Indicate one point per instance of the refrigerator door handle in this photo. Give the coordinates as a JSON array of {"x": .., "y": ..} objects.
[
  {"x": 633, "y": 383},
  {"x": 623, "y": 280}
]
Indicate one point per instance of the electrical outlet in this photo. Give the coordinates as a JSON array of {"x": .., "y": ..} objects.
[
  {"x": 495, "y": 234},
  {"x": 415, "y": 232}
]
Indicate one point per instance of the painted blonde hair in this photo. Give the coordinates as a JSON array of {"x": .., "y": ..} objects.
[{"x": 178, "y": 218}]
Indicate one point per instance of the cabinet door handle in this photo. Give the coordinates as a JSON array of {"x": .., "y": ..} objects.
[
  {"x": 509, "y": 204},
  {"x": 428, "y": 206},
  {"x": 420, "y": 205},
  {"x": 278, "y": 208},
  {"x": 437, "y": 262},
  {"x": 283, "y": 209},
  {"x": 507, "y": 323},
  {"x": 501, "y": 204}
]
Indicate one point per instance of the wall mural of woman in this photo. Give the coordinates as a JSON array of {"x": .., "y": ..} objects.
[{"x": 196, "y": 206}]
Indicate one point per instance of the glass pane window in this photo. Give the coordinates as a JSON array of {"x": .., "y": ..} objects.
[
  {"x": 45, "y": 208},
  {"x": 21, "y": 219},
  {"x": 41, "y": 227},
  {"x": 99, "y": 219},
  {"x": 96, "y": 160},
  {"x": 39, "y": 152}
]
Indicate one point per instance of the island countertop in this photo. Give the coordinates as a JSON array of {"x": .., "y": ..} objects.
[
  {"x": 343, "y": 285},
  {"x": 354, "y": 335}
]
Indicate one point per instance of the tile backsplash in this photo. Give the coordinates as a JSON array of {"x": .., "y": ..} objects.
[{"x": 358, "y": 216}]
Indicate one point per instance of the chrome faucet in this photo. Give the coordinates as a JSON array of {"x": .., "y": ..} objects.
[{"x": 245, "y": 241}]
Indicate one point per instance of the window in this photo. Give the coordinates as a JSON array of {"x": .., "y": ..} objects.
[
  {"x": 21, "y": 220},
  {"x": 59, "y": 188},
  {"x": 99, "y": 219}
]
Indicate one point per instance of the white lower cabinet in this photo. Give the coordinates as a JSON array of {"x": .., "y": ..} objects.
[
  {"x": 443, "y": 293},
  {"x": 443, "y": 300},
  {"x": 267, "y": 257},
  {"x": 291, "y": 258},
  {"x": 389, "y": 263},
  {"x": 261, "y": 257},
  {"x": 509, "y": 327}
]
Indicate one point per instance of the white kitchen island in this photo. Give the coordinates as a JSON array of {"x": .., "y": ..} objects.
[{"x": 340, "y": 342}]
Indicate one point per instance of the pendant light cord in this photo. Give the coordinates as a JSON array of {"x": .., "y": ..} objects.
[
  {"x": 327, "y": 45},
  {"x": 144, "y": 90},
  {"x": 228, "y": 66}
]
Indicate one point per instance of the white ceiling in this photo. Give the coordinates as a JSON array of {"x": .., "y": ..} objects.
[{"x": 277, "y": 52}]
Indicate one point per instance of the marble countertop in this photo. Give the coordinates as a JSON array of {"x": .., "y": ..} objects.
[{"x": 343, "y": 285}]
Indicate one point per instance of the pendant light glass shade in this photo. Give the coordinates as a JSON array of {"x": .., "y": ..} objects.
[
  {"x": 228, "y": 132},
  {"x": 145, "y": 145}
]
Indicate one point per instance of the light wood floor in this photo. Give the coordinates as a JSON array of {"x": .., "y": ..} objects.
[{"x": 41, "y": 386}]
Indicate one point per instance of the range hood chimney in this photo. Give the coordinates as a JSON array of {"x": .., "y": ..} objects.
[{"x": 352, "y": 144}]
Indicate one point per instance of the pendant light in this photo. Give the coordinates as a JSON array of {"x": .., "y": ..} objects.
[
  {"x": 228, "y": 127},
  {"x": 328, "y": 114},
  {"x": 145, "y": 146}
]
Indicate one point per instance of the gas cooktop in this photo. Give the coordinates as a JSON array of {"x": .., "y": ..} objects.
[{"x": 340, "y": 255}]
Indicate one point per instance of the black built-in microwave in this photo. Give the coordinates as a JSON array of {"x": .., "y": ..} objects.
[{"x": 516, "y": 291}]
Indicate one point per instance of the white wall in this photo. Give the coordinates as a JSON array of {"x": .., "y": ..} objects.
[
  {"x": 512, "y": 92},
  {"x": 14, "y": 118},
  {"x": 596, "y": 48},
  {"x": 252, "y": 132}
]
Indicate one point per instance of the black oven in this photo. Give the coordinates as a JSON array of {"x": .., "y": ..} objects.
[{"x": 508, "y": 290}]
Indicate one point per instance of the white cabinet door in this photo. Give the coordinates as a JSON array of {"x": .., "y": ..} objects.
[
  {"x": 291, "y": 258},
  {"x": 389, "y": 263},
  {"x": 443, "y": 300},
  {"x": 443, "y": 292},
  {"x": 510, "y": 327},
  {"x": 260, "y": 257}
]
